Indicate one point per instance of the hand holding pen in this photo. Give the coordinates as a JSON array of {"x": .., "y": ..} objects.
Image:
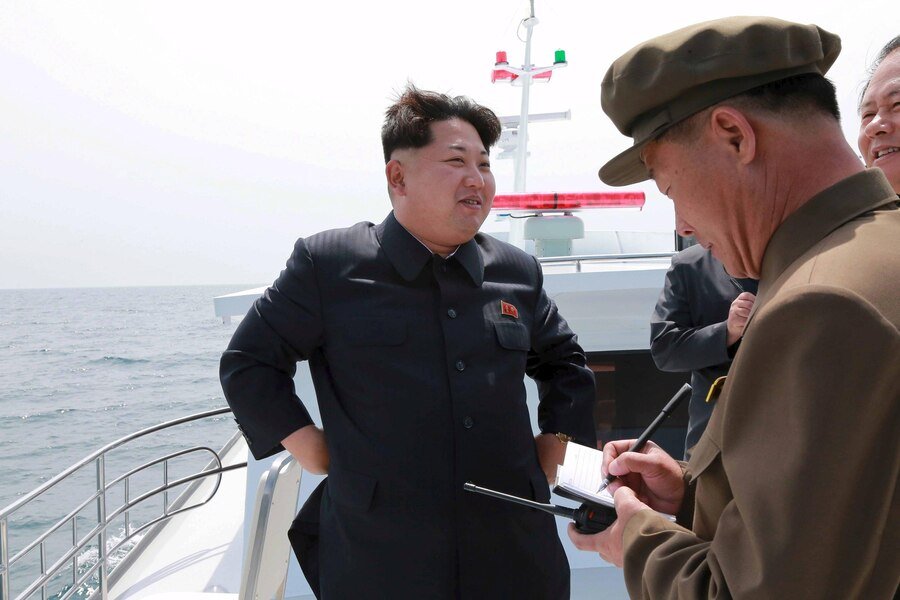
[
  {"x": 639, "y": 443},
  {"x": 655, "y": 477}
]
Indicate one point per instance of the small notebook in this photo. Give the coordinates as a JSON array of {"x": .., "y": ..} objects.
[{"x": 579, "y": 477}]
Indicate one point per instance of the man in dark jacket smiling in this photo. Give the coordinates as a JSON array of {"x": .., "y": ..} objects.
[{"x": 419, "y": 332}]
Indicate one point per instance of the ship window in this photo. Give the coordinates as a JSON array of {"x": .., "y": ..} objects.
[{"x": 630, "y": 392}]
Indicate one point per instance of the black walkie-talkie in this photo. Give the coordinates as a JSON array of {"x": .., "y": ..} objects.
[{"x": 588, "y": 518}]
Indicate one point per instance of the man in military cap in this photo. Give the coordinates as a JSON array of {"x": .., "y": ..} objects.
[{"x": 792, "y": 491}]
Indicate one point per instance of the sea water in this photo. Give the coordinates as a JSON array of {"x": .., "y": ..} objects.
[{"x": 81, "y": 368}]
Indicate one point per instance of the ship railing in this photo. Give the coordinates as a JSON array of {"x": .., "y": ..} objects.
[
  {"x": 268, "y": 551},
  {"x": 99, "y": 571},
  {"x": 579, "y": 260}
]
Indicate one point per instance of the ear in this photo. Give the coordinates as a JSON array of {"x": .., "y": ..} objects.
[
  {"x": 733, "y": 131},
  {"x": 394, "y": 172}
]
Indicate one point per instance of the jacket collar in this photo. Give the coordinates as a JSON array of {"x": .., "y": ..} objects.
[
  {"x": 409, "y": 256},
  {"x": 823, "y": 213}
]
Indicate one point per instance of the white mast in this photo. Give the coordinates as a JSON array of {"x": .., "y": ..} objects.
[
  {"x": 522, "y": 148},
  {"x": 514, "y": 135},
  {"x": 514, "y": 140}
]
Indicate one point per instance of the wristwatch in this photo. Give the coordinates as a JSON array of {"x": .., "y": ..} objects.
[{"x": 563, "y": 438}]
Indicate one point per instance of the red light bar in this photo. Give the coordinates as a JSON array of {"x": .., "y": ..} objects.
[
  {"x": 569, "y": 201},
  {"x": 502, "y": 75}
]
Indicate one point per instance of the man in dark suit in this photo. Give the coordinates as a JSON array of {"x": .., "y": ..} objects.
[
  {"x": 419, "y": 332},
  {"x": 697, "y": 326}
]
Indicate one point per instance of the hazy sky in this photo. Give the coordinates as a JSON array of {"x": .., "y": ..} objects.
[{"x": 188, "y": 142}]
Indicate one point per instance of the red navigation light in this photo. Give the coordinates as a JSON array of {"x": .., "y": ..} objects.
[
  {"x": 569, "y": 201},
  {"x": 501, "y": 58}
]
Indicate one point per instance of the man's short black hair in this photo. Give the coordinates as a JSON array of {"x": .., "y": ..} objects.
[
  {"x": 797, "y": 95},
  {"x": 407, "y": 122}
]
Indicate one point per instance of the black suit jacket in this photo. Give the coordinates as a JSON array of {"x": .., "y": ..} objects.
[
  {"x": 418, "y": 364},
  {"x": 688, "y": 328}
]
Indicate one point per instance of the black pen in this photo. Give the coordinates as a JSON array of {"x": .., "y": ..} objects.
[{"x": 667, "y": 410}]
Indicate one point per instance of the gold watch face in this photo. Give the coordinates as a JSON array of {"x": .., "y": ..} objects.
[{"x": 563, "y": 438}]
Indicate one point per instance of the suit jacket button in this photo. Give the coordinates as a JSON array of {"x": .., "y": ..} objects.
[
  {"x": 468, "y": 422},
  {"x": 460, "y": 366},
  {"x": 451, "y": 313}
]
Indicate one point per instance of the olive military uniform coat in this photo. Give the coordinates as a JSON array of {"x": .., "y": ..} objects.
[
  {"x": 795, "y": 481},
  {"x": 418, "y": 364}
]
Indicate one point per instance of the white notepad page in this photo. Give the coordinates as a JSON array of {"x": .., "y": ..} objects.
[{"x": 580, "y": 473}]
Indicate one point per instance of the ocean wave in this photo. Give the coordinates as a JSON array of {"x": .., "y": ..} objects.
[
  {"x": 52, "y": 413},
  {"x": 119, "y": 360},
  {"x": 40, "y": 416}
]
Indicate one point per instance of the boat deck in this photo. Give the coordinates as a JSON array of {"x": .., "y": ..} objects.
[
  {"x": 198, "y": 555},
  {"x": 200, "y": 550}
]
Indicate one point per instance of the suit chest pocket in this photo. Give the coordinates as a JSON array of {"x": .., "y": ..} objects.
[
  {"x": 712, "y": 491},
  {"x": 707, "y": 453},
  {"x": 512, "y": 336},
  {"x": 703, "y": 456}
]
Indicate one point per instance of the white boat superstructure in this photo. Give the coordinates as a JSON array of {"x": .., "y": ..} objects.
[{"x": 224, "y": 535}]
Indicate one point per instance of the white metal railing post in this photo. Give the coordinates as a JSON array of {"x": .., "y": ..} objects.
[
  {"x": 4, "y": 559},
  {"x": 43, "y": 553},
  {"x": 166, "y": 483},
  {"x": 75, "y": 555},
  {"x": 127, "y": 501},
  {"x": 101, "y": 518}
]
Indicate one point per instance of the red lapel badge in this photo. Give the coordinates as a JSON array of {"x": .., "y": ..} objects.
[{"x": 508, "y": 309}]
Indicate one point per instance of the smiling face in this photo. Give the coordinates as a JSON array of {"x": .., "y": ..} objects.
[
  {"x": 442, "y": 192},
  {"x": 879, "y": 129}
]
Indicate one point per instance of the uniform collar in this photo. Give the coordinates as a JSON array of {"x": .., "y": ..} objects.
[
  {"x": 823, "y": 213},
  {"x": 409, "y": 256}
]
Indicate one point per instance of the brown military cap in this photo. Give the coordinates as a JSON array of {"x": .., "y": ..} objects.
[{"x": 663, "y": 81}]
